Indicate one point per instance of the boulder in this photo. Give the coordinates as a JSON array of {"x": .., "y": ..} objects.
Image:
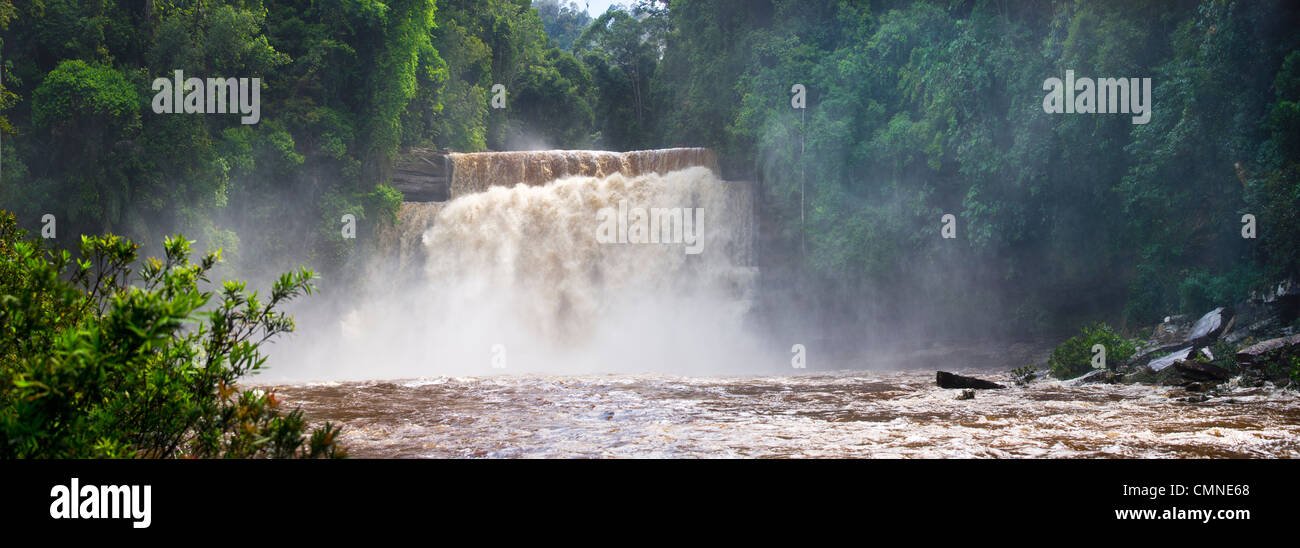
[
  {"x": 421, "y": 175},
  {"x": 966, "y": 394},
  {"x": 1168, "y": 360},
  {"x": 1271, "y": 359},
  {"x": 1140, "y": 374},
  {"x": 1145, "y": 353},
  {"x": 1169, "y": 376},
  {"x": 949, "y": 380},
  {"x": 1200, "y": 371},
  {"x": 1259, "y": 354},
  {"x": 1096, "y": 376},
  {"x": 1209, "y": 326},
  {"x": 1172, "y": 330}
]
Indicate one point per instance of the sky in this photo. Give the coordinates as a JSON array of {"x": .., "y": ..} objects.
[{"x": 597, "y": 7}]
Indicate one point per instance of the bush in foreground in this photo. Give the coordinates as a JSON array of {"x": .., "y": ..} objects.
[
  {"x": 1074, "y": 356},
  {"x": 99, "y": 361}
]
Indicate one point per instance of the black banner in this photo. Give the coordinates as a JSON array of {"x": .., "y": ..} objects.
[{"x": 286, "y": 499}]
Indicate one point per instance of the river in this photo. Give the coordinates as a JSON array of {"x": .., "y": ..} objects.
[{"x": 849, "y": 414}]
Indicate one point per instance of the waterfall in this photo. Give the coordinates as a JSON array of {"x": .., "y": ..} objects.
[
  {"x": 476, "y": 171},
  {"x": 517, "y": 271}
]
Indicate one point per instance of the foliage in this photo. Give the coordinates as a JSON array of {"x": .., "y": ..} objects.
[
  {"x": 922, "y": 108},
  {"x": 1074, "y": 356},
  {"x": 1200, "y": 291},
  {"x": 97, "y": 360},
  {"x": 563, "y": 22},
  {"x": 1024, "y": 374},
  {"x": 1283, "y": 368},
  {"x": 76, "y": 88},
  {"x": 405, "y": 46},
  {"x": 1225, "y": 356},
  {"x": 621, "y": 49}
]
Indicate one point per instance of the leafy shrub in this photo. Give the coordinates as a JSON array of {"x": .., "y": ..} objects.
[
  {"x": 1025, "y": 374},
  {"x": 1282, "y": 368},
  {"x": 1225, "y": 356},
  {"x": 76, "y": 88},
  {"x": 1074, "y": 356},
  {"x": 94, "y": 365}
]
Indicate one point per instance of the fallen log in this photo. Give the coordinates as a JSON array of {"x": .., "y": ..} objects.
[{"x": 949, "y": 380}]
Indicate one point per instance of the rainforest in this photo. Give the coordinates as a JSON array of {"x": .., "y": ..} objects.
[{"x": 315, "y": 228}]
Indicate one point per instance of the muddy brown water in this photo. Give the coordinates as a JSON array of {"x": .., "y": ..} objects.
[{"x": 845, "y": 414}]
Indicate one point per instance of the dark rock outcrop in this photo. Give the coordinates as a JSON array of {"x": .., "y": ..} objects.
[
  {"x": 1173, "y": 330},
  {"x": 1202, "y": 334},
  {"x": 1097, "y": 376},
  {"x": 1258, "y": 354},
  {"x": 1270, "y": 360},
  {"x": 1200, "y": 372},
  {"x": 1210, "y": 325},
  {"x": 1159, "y": 364},
  {"x": 422, "y": 175},
  {"x": 1181, "y": 372},
  {"x": 949, "y": 380}
]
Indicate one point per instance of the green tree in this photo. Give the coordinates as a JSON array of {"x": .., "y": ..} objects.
[
  {"x": 99, "y": 361},
  {"x": 622, "y": 48},
  {"x": 563, "y": 22}
]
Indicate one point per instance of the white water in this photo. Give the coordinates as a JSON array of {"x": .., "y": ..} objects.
[
  {"x": 827, "y": 414},
  {"x": 515, "y": 276}
]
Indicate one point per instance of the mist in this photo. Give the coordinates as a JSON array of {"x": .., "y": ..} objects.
[{"x": 513, "y": 280}]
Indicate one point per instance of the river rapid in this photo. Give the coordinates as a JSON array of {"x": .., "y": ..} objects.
[{"x": 848, "y": 414}]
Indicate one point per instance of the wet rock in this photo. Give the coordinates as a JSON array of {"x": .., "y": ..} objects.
[
  {"x": 1199, "y": 371},
  {"x": 1261, "y": 353},
  {"x": 1173, "y": 329},
  {"x": 1097, "y": 376},
  {"x": 1209, "y": 326},
  {"x": 1161, "y": 363},
  {"x": 1181, "y": 373},
  {"x": 1141, "y": 374},
  {"x": 1255, "y": 328},
  {"x": 1169, "y": 376},
  {"x": 949, "y": 380},
  {"x": 1253, "y": 319},
  {"x": 421, "y": 175},
  {"x": 1271, "y": 360},
  {"x": 966, "y": 394}
]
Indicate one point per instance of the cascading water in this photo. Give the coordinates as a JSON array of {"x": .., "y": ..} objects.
[
  {"x": 516, "y": 276},
  {"x": 477, "y": 171}
]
